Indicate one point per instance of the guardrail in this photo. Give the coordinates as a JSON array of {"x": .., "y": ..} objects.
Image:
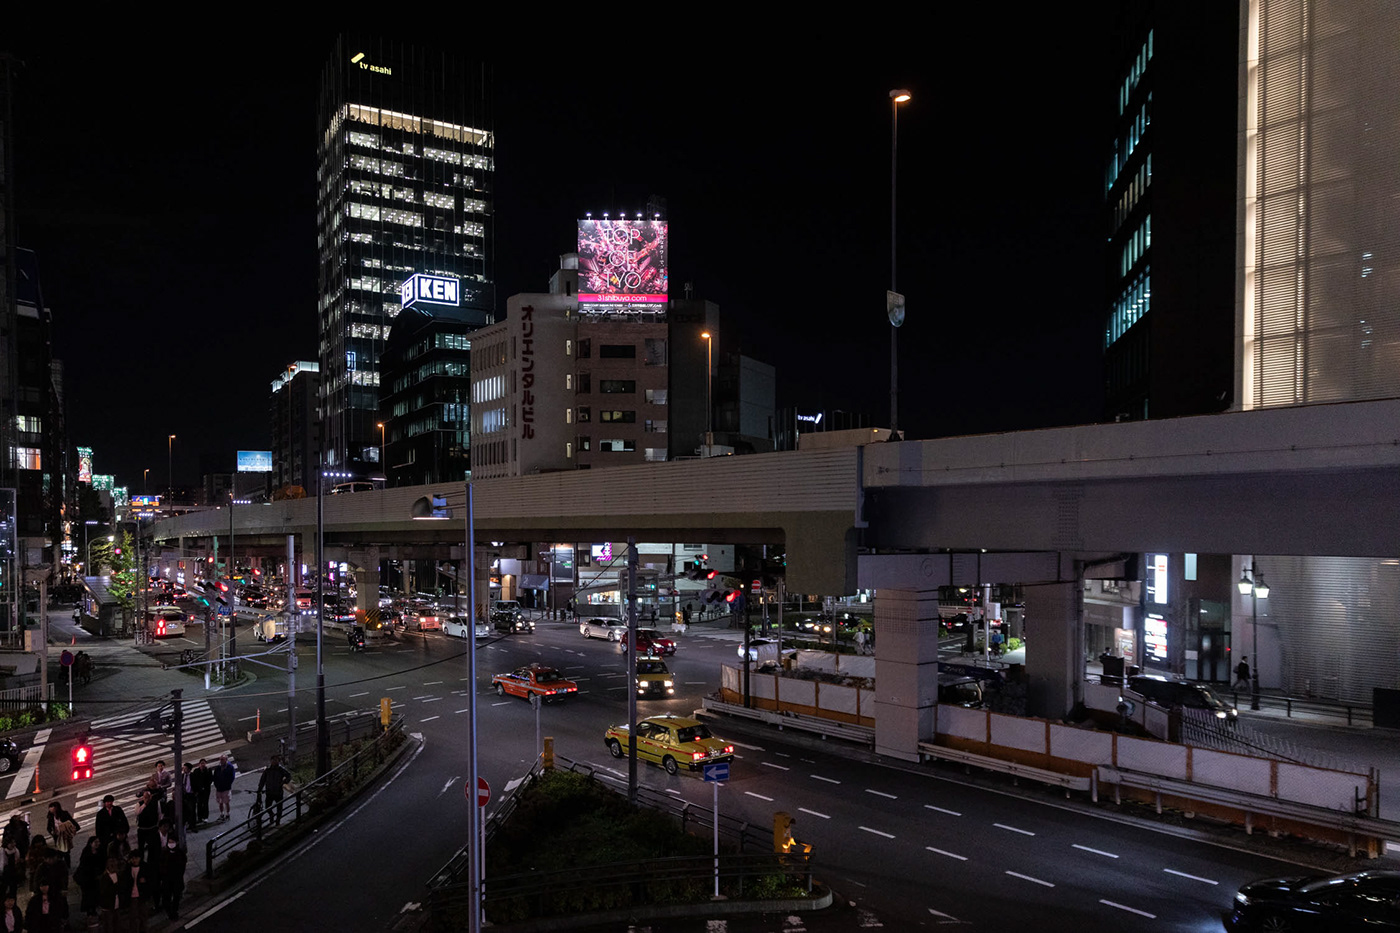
[
  {"x": 1358, "y": 824},
  {"x": 302, "y": 803},
  {"x": 973, "y": 760},
  {"x": 826, "y": 728}
]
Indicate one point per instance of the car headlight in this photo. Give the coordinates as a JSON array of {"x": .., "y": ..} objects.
[
  {"x": 1221, "y": 714},
  {"x": 1242, "y": 899},
  {"x": 666, "y": 683}
]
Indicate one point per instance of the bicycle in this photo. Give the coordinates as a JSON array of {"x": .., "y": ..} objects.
[{"x": 257, "y": 806}]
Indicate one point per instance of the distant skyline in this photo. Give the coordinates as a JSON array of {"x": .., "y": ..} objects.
[{"x": 171, "y": 199}]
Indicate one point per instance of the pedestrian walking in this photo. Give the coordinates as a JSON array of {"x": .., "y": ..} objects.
[
  {"x": 63, "y": 828},
  {"x": 1242, "y": 673},
  {"x": 13, "y": 917},
  {"x": 11, "y": 868},
  {"x": 271, "y": 785},
  {"x": 136, "y": 887},
  {"x": 47, "y": 911},
  {"x": 172, "y": 881},
  {"x": 36, "y": 862},
  {"x": 203, "y": 782},
  {"x": 18, "y": 830},
  {"x": 112, "y": 896},
  {"x": 224, "y": 773},
  {"x": 88, "y": 874},
  {"x": 189, "y": 810},
  {"x": 111, "y": 822}
]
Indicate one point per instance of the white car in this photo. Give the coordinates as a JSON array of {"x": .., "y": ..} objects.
[
  {"x": 425, "y": 619},
  {"x": 270, "y": 628},
  {"x": 600, "y": 627},
  {"x": 765, "y": 650},
  {"x": 163, "y": 621},
  {"x": 457, "y": 627}
]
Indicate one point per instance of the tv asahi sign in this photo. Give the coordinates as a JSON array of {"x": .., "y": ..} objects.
[{"x": 431, "y": 290}]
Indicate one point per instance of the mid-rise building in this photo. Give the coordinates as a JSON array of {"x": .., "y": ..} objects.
[
  {"x": 406, "y": 158},
  {"x": 745, "y": 404},
  {"x": 296, "y": 427}
]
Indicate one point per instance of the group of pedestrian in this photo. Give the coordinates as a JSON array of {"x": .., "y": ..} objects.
[
  {"x": 40, "y": 867},
  {"x": 122, "y": 884}
]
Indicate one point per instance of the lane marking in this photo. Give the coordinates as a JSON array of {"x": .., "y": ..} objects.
[
  {"x": 880, "y": 793},
  {"x": 1131, "y": 910},
  {"x": 353, "y": 695},
  {"x": 752, "y": 748},
  {"x": 827, "y": 779},
  {"x": 769, "y": 764},
  {"x": 782, "y": 754},
  {"x": 403, "y": 687},
  {"x": 813, "y": 812},
  {"x": 877, "y": 832},
  {"x": 1095, "y": 851},
  {"x": 1024, "y": 832},
  {"x": 759, "y": 796},
  {"x": 431, "y": 682},
  {"x": 1182, "y": 874},
  {"x": 948, "y": 918},
  {"x": 423, "y": 697},
  {"x": 960, "y": 858},
  {"x": 929, "y": 806},
  {"x": 1029, "y": 878},
  {"x": 464, "y": 711},
  {"x": 215, "y": 909},
  {"x": 246, "y": 718},
  {"x": 502, "y": 703},
  {"x": 432, "y": 699},
  {"x": 429, "y": 719}
]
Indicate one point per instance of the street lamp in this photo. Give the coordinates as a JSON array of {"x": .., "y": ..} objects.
[
  {"x": 896, "y": 308},
  {"x": 709, "y": 402},
  {"x": 1252, "y": 584},
  {"x": 170, "y": 466},
  {"x": 145, "y": 481},
  {"x": 382, "y": 464}
]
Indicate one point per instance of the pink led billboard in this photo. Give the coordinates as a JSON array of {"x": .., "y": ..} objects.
[{"x": 622, "y": 262}]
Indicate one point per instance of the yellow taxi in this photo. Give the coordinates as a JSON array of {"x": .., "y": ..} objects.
[{"x": 674, "y": 742}]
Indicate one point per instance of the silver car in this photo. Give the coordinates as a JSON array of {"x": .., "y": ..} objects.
[{"x": 599, "y": 627}]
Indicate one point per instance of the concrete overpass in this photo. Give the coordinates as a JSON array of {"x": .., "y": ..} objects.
[{"x": 1314, "y": 480}]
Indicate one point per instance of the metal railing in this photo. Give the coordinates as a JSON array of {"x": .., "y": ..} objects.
[
  {"x": 624, "y": 886},
  {"x": 307, "y": 801},
  {"x": 1202, "y": 728},
  {"x": 25, "y": 696}
]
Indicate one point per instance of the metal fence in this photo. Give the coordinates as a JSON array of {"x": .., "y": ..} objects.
[
  {"x": 1203, "y": 729},
  {"x": 24, "y": 696},
  {"x": 267, "y": 823}
]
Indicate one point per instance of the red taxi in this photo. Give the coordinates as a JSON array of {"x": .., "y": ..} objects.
[{"x": 534, "y": 680}]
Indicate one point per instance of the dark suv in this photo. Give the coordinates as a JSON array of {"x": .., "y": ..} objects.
[{"x": 1172, "y": 693}]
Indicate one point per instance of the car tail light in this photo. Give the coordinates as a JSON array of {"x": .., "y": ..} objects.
[
  {"x": 160, "y": 629},
  {"x": 696, "y": 756},
  {"x": 729, "y": 749}
]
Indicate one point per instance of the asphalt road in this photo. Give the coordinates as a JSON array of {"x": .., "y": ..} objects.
[{"x": 908, "y": 846}]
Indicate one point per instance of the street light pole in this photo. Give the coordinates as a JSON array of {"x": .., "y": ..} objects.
[
  {"x": 87, "y": 548},
  {"x": 709, "y": 400},
  {"x": 897, "y": 97},
  {"x": 1252, "y": 585},
  {"x": 382, "y": 465},
  {"x": 170, "y": 467}
]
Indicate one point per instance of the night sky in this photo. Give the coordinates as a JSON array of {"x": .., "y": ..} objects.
[{"x": 169, "y": 190}]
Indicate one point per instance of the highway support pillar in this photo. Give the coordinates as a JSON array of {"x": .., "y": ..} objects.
[
  {"x": 1054, "y": 623},
  {"x": 906, "y": 655}
]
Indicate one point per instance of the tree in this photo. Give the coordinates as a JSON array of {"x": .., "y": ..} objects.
[{"x": 124, "y": 583}]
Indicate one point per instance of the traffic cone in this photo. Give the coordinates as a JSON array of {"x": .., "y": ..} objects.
[{"x": 36, "y": 779}]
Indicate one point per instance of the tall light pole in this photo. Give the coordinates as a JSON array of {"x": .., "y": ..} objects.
[
  {"x": 709, "y": 401},
  {"x": 382, "y": 465},
  {"x": 146, "y": 480},
  {"x": 897, "y": 97},
  {"x": 170, "y": 466},
  {"x": 1252, "y": 584}
]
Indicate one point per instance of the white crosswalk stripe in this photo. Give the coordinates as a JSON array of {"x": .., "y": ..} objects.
[{"x": 202, "y": 738}]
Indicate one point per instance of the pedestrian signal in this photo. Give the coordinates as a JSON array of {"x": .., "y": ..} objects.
[{"x": 82, "y": 761}]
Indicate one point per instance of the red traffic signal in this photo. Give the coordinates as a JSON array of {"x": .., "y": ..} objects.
[
  {"x": 82, "y": 761},
  {"x": 711, "y": 575}
]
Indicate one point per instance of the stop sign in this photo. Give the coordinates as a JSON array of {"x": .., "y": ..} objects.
[{"x": 483, "y": 792}]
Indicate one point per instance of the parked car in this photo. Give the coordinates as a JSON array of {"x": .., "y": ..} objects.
[
  {"x": 506, "y": 621},
  {"x": 163, "y": 621},
  {"x": 649, "y": 641},
  {"x": 1364, "y": 900},
  {"x": 9, "y": 756},
  {"x": 600, "y": 627},
  {"x": 534, "y": 680},
  {"x": 654, "y": 679},
  {"x": 1172, "y": 693},
  {"x": 674, "y": 742}
]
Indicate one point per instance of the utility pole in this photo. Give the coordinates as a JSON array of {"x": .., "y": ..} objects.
[{"x": 631, "y": 669}]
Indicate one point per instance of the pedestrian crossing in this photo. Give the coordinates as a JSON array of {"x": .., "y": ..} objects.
[{"x": 201, "y": 736}]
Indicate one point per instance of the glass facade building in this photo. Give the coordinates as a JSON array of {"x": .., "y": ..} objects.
[{"x": 406, "y": 160}]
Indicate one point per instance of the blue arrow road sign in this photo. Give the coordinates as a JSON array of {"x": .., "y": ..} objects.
[{"x": 718, "y": 771}]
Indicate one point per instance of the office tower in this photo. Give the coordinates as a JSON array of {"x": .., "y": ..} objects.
[
  {"x": 406, "y": 157},
  {"x": 1170, "y": 212},
  {"x": 1318, "y": 316}
]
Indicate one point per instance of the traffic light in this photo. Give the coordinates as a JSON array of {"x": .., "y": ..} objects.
[
  {"x": 82, "y": 761},
  {"x": 782, "y": 832}
]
